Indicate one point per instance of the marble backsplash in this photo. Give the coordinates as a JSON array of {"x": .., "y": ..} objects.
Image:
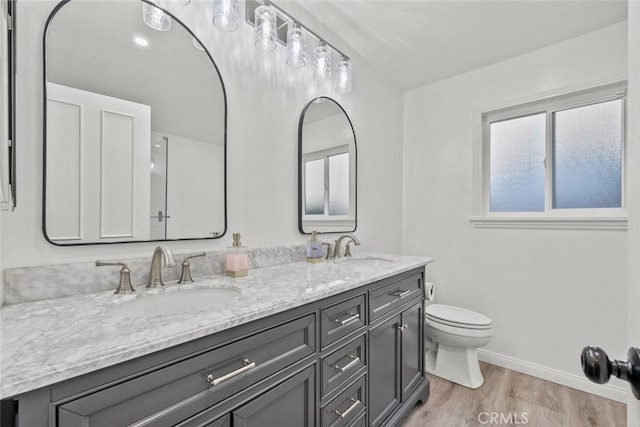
[{"x": 54, "y": 281}]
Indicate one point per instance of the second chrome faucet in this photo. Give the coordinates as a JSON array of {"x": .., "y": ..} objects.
[{"x": 161, "y": 255}]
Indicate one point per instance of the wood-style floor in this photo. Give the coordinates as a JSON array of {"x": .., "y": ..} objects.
[{"x": 516, "y": 400}]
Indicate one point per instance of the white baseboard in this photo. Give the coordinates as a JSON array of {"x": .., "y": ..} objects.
[{"x": 609, "y": 391}]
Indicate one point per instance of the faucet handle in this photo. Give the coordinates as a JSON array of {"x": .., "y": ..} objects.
[
  {"x": 124, "y": 287},
  {"x": 185, "y": 276},
  {"x": 328, "y": 245},
  {"x": 347, "y": 251}
]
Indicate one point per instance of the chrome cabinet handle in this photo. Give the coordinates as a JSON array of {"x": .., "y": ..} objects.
[
  {"x": 404, "y": 327},
  {"x": 353, "y": 316},
  {"x": 401, "y": 293},
  {"x": 354, "y": 361},
  {"x": 247, "y": 366},
  {"x": 345, "y": 414}
]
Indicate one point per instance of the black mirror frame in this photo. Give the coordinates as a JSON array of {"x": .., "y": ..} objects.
[
  {"x": 44, "y": 133},
  {"x": 300, "y": 183},
  {"x": 11, "y": 101}
]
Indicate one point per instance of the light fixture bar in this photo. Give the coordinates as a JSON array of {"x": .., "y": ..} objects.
[{"x": 283, "y": 18}]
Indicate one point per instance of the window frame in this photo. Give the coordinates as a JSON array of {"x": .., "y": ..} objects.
[
  {"x": 584, "y": 218},
  {"x": 325, "y": 154}
]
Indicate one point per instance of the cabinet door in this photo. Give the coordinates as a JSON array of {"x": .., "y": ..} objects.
[
  {"x": 412, "y": 342},
  {"x": 384, "y": 369},
  {"x": 291, "y": 403}
]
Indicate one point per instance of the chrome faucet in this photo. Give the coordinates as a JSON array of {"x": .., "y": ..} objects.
[
  {"x": 155, "y": 272},
  {"x": 336, "y": 250}
]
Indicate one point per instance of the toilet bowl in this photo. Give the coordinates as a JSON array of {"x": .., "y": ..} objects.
[{"x": 453, "y": 335}]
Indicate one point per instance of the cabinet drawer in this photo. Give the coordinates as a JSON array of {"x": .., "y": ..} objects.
[
  {"x": 339, "y": 320},
  {"x": 388, "y": 297},
  {"x": 346, "y": 407},
  {"x": 342, "y": 364},
  {"x": 180, "y": 390}
]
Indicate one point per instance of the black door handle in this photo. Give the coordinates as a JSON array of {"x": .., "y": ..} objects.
[{"x": 598, "y": 368}]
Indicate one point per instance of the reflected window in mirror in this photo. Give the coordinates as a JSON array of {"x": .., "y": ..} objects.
[
  {"x": 327, "y": 169},
  {"x": 135, "y": 128}
]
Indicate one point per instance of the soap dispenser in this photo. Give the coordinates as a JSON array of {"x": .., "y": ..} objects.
[
  {"x": 314, "y": 249},
  {"x": 237, "y": 259}
]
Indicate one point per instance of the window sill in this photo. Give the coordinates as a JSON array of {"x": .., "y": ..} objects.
[{"x": 552, "y": 223}]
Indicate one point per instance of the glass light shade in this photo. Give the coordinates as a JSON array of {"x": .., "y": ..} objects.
[
  {"x": 265, "y": 22},
  {"x": 322, "y": 63},
  {"x": 225, "y": 14},
  {"x": 343, "y": 76},
  {"x": 155, "y": 17},
  {"x": 181, "y": 2},
  {"x": 296, "y": 45}
]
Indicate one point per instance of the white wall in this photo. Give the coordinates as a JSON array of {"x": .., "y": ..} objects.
[
  {"x": 265, "y": 99},
  {"x": 549, "y": 292}
]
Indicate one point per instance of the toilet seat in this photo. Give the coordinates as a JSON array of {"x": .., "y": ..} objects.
[{"x": 456, "y": 317}]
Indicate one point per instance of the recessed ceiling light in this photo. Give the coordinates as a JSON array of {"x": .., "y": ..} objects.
[{"x": 141, "y": 41}]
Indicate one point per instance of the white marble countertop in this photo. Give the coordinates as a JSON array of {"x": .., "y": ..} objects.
[{"x": 48, "y": 341}]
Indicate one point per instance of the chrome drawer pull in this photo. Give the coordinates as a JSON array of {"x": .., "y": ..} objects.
[
  {"x": 401, "y": 293},
  {"x": 354, "y": 361},
  {"x": 345, "y": 414},
  {"x": 353, "y": 316},
  {"x": 247, "y": 366},
  {"x": 404, "y": 327}
]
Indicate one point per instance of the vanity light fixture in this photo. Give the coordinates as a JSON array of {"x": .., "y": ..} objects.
[
  {"x": 296, "y": 46},
  {"x": 265, "y": 25},
  {"x": 155, "y": 18},
  {"x": 343, "y": 76},
  {"x": 271, "y": 23},
  {"x": 225, "y": 14}
]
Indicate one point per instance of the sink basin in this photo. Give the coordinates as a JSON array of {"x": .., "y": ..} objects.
[
  {"x": 365, "y": 260},
  {"x": 174, "y": 302}
]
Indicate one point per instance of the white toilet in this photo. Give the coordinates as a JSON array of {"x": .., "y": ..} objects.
[{"x": 453, "y": 335}]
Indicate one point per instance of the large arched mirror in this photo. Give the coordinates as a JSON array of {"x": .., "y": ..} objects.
[
  {"x": 135, "y": 127},
  {"x": 327, "y": 159}
]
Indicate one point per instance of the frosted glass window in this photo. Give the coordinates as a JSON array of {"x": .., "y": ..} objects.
[
  {"x": 314, "y": 187},
  {"x": 517, "y": 152},
  {"x": 587, "y": 153},
  {"x": 339, "y": 184}
]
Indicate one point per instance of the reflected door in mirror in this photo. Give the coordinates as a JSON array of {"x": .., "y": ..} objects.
[{"x": 100, "y": 194}]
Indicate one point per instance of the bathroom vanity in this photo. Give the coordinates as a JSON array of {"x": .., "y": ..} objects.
[{"x": 331, "y": 344}]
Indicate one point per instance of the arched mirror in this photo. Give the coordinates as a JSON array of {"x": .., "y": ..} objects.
[
  {"x": 135, "y": 127},
  {"x": 327, "y": 159}
]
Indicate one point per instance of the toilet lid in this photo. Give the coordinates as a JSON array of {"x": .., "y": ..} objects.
[{"x": 455, "y": 315}]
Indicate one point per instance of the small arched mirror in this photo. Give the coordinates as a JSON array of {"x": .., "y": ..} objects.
[
  {"x": 135, "y": 120},
  {"x": 327, "y": 159}
]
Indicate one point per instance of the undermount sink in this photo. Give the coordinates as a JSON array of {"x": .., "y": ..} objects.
[
  {"x": 174, "y": 302},
  {"x": 365, "y": 260}
]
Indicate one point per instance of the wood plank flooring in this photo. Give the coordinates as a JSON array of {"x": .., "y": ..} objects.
[{"x": 515, "y": 399}]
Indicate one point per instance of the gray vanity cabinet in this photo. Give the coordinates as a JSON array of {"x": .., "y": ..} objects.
[
  {"x": 396, "y": 344},
  {"x": 351, "y": 359}
]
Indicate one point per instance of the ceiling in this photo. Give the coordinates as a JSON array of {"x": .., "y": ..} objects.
[{"x": 414, "y": 43}]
